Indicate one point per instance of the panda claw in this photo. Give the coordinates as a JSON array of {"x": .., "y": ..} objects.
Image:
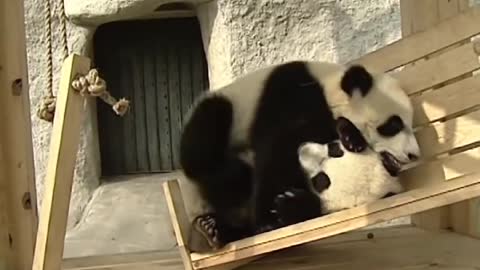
[{"x": 206, "y": 226}]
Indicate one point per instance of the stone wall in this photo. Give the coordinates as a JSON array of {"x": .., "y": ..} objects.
[{"x": 239, "y": 36}]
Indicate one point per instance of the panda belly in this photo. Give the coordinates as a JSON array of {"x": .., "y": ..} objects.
[{"x": 356, "y": 179}]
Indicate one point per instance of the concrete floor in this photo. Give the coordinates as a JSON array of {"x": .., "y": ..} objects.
[{"x": 129, "y": 215}]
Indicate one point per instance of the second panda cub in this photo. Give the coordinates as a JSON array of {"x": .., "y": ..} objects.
[{"x": 341, "y": 179}]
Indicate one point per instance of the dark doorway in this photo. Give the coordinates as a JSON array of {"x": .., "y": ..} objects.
[{"x": 160, "y": 66}]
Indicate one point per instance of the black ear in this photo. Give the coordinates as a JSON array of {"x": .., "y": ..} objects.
[{"x": 357, "y": 77}]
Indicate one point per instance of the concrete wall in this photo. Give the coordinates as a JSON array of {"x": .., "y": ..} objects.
[{"x": 239, "y": 36}]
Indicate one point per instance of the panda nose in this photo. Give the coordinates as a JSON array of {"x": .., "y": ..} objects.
[{"x": 412, "y": 157}]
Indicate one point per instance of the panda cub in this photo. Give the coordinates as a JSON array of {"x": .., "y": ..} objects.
[{"x": 341, "y": 179}]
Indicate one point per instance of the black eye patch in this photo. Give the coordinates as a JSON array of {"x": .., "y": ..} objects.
[{"x": 391, "y": 127}]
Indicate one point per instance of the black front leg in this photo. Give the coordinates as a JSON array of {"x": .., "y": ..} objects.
[
  {"x": 278, "y": 169},
  {"x": 296, "y": 205}
]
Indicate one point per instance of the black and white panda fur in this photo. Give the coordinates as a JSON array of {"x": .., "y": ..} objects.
[
  {"x": 341, "y": 179},
  {"x": 271, "y": 112}
]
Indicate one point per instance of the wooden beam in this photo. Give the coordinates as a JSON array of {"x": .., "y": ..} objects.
[
  {"x": 64, "y": 143},
  {"x": 407, "y": 203},
  {"x": 18, "y": 210},
  {"x": 418, "y": 16},
  {"x": 179, "y": 219},
  {"x": 414, "y": 47}
]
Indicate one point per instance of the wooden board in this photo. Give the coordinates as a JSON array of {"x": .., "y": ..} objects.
[
  {"x": 442, "y": 169},
  {"x": 401, "y": 247},
  {"x": 18, "y": 202},
  {"x": 404, "y": 204},
  {"x": 439, "y": 19},
  {"x": 451, "y": 99},
  {"x": 179, "y": 219},
  {"x": 64, "y": 143},
  {"x": 414, "y": 47},
  {"x": 441, "y": 137},
  {"x": 436, "y": 70}
]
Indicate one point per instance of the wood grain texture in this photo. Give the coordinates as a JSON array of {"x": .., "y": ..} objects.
[
  {"x": 179, "y": 218},
  {"x": 407, "y": 203},
  {"x": 438, "y": 22},
  {"x": 64, "y": 141},
  {"x": 451, "y": 99},
  {"x": 454, "y": 133},
  {"x": 18, "y": 203},
  {"x": 436, "y": 70},
  {"x": 401, "y": 248},
  {"x": 438, "y": 36}
]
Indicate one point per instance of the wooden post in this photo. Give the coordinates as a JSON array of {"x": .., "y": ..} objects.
[
  {"x": 69, "y": 113},
  {"x": 418, "y": 16},
  {"x": 18, "y": 210}
]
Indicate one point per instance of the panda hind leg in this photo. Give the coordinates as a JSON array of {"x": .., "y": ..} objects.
[{"x": 217, "y": 232}]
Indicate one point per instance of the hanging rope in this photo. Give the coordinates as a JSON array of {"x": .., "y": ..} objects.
[
  {"x": 46, "y": 109},
  {"x": 91, "y": 84}
]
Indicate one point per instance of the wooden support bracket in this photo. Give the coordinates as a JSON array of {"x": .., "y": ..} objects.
[{"x": 64, "y": 143}]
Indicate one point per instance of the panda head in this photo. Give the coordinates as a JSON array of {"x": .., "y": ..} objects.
[{"x": 382, "y": 111}]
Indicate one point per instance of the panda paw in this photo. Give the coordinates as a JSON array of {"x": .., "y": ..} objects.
[
  {"x": 351, "y": 138},
  {"x": 295, "y": 205},
  {"x": 206, "y": 225},
  {"x": 334, "y": 150}
]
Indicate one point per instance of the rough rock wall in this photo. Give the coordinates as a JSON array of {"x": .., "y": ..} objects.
[
  {"x": 239, "y": 36},
  {"x": 87, "y": 167},
  {"x": 243, "y": 35}
]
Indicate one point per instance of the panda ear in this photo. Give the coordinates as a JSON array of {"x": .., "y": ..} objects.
[{"x": 356, "y": 78}]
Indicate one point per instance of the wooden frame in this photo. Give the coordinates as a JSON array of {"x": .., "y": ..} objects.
[
  {"x": 18, "y": 203},
  {"x": 438, "y": 76},
  {"x": 438, "y": 66},
  {"x": 65, "y": 138}
]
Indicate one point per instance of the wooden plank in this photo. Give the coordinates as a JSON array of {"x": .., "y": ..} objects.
[
  {"x": 436, "y": 70},
  {"x": 112, "y": 122},
  {"x": 129, "y": 126},
  {"x": 151, "y": 107},
  {"x": 64, "y": 142},
  {"x": 186, "y": 78},
  {"x": 414, "y": 47},
  {"x": 174, "y": 100},
  {"x": 198, "y": 73},
  {"x": 450, "y": 8},
  {"x": 139, "y": 108},
  {"x": 134, "y": 261},
  {"x": 444, "y": 136},
  {"x": 453, "y": 98},
  {"x": 442, "y": 169},
  {"x": 418, "y": 250},
  {"x": 105, "y": 58},
  {"x": 416, "y": 12},
  {"x": 393, "y": 207},
  {"x": 179, "y": 219},
  {"x": 18, "y": 203},
  {"x": 163, "y": 114},
  {"x": 402, "y": 247}
]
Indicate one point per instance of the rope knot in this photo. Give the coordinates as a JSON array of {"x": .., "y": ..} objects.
[{"x": 92, "y": 84}]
